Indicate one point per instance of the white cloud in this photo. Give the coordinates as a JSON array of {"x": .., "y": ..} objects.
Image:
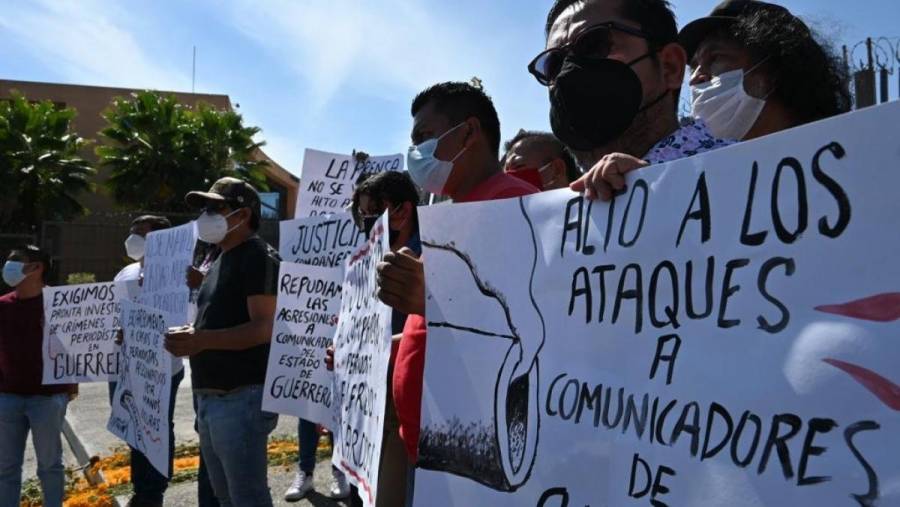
[
  {"x": 87, "y": 42},
  {"x": 375, "y": 48}
]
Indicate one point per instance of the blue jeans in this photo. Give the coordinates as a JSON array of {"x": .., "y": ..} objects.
[
  {"x": 234, "y": 432},
  {"x": 308, "y": 440},
  {"x": 44, "y": 416},
  {"x": 206, "y": 497},
  {"x": 149, "y": 484}
]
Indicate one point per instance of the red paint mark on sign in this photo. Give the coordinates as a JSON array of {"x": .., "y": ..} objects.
[
  {"x": 885, "y": 390},
  {"x": 879, "y": 308}
]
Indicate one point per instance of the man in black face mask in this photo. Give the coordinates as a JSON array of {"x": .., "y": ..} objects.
[{"x": 614, "y": 70}]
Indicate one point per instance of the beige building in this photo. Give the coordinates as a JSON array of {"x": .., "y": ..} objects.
[
  {"x": 91, "y": 101},
  {"x": 93, "y": 244}
]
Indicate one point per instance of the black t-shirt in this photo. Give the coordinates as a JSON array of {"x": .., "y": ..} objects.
[{"x": 249, "y": 269}]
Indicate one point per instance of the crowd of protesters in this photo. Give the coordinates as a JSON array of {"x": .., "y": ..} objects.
[{"x": 614, "y": 71}]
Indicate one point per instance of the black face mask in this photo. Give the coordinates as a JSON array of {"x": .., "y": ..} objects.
[
  {"x": 368, "y": 223},
  {"x": 594, "y": 101}
]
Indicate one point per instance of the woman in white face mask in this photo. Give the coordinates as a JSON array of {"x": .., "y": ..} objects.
[{"x": 757, "y": 69}]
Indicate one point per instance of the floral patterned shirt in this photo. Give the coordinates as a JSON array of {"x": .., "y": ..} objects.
[{"x": 692, "y": 138}]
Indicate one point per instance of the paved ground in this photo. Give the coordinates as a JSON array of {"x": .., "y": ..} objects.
[{"x": 89, "y": 413}]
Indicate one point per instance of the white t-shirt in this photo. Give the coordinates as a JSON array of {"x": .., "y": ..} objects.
[{"x": 132, "y": 273}]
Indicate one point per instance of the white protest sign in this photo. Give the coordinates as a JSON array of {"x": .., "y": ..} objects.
[
  {"x": 324, "y": 241},
  {"x": 724, "y": 333},
  {"x": 322, "y": 244},
  {"x": 362, "y": 351},
  {"x": 297, "y": 382},
  {"x": 80, "y": 324},
  {"x": 169, "y": 253},
  {"x": 327, "y": 180},
  {"x": 140, "y": 408}
]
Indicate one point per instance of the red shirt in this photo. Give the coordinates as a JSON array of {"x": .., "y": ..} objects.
[
  {"x": 21, "y": 339},
  {"x": 409, "y": 365}
]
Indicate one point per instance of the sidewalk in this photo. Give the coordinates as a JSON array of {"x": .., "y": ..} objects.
[{"x": 88, "y": 416}]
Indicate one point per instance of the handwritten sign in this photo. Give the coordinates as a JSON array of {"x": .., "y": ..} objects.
[
  {"x": 169, "y": 253},
  {"x": 362, "y": 346},
  {"x": 297, "y": 381},
  {"x": 724, "y": 333},
  {"x": 140, "y": 408},
  {"x": 328, "y": 180},
  {"x": 80, "y": 323},
  {"x": 325, "y": 240}
]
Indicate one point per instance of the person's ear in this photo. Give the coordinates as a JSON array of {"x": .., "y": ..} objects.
[
  {"x": 33, "y": 267},
  {"x": 406, "y": 210},
  {"x": 472, "y": 130},
  {"x": 560, "y": 170},
  {"x": 673, "y": 62}
]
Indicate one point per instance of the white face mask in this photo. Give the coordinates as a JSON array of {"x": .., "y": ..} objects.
[
  {"x": 428, "y": 172},
  {"x": 14, "y": 273},
  {"x": 213, "y": 227},
  {"x": 134, "y": 246},
  {"x": 724, "y": 105}
]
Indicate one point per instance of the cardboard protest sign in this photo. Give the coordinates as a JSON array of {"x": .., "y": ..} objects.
[
  {"x": 297, "y": 382},
  {"x": 169, "y": 253},
  {"x": 80, "y": 324},
  {"x": 140, "y": 407},
  {"x": 325, "y": 240},
  {"x": 305, "y": 322},
  {"x": 724, "y": 333},
  {"x": 362, "y": 351},
  {"x": 327, "y": 180}
]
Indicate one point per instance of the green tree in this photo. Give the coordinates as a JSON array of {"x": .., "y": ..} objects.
[
  {"x": 41, "y": 172},
  {"x": 159, "y": 150}
]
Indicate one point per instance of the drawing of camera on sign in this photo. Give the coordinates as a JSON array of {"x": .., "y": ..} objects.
[{"x": 491, "y": 435}]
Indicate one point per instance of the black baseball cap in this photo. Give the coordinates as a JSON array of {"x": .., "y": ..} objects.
[
  {"x": 725, "y": 14},
  {"x": 232, "y": 191}
]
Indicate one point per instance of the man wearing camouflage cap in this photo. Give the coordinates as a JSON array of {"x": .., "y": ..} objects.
[{"x": 228, "y": 345}]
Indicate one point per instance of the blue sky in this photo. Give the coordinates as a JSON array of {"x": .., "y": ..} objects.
[{"x": 328, "y": 74}]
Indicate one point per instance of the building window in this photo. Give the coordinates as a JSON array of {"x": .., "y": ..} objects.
[{"x": 271, "y": 205}]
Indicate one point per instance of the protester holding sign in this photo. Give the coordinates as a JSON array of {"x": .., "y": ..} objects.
[
  {"x": 395, "y": 193},
  {"x": 540, "y": 159},
  {"x": 149, "y": 484},
  {"x": 229, "y": 343},
  {"x": 757, "y": 69},
  {"x": 24, "y": 402},
  {"x": 135, "y": 244},
  {"x": 457, "y": 136},
  {"x": 614, "y": 70}
]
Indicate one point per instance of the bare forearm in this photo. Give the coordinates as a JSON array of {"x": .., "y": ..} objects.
[{"x": 243, "y": 337}]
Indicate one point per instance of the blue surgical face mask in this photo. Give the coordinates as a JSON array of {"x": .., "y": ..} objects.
[
  {"x": 13, "y": 273},
  {"x": 428, "y": 172}
]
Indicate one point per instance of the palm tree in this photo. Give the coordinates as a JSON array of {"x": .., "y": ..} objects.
[
  {"x": 159, "y": 150},
  {"x": 40, "y": 169}
]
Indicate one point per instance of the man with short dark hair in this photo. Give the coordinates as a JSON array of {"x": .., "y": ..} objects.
[
  {"x": 614, "y": 70},
  {"x": 229, "y": 343},
  {"x": 149, "y": 485},
  {"x": 26, "y": 404},
  {"x": 455, "y": 152},
  {"x": 540, "y": 159},
  {"x": 757, "y": 69}
]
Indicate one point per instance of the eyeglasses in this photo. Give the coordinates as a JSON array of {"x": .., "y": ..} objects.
[
  {"x": 594, "y": 42},
  {"x": 216, "y": 206}
]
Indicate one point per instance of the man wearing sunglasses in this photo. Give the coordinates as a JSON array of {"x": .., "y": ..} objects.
[
  {"x": 229, "y": 344},
  {"x": 614, "y": 70}
]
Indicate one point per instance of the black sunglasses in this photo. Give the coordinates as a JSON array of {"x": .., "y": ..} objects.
[
  {"x": 216, "y": 206},
  {"x": 595, "y": 42}
]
